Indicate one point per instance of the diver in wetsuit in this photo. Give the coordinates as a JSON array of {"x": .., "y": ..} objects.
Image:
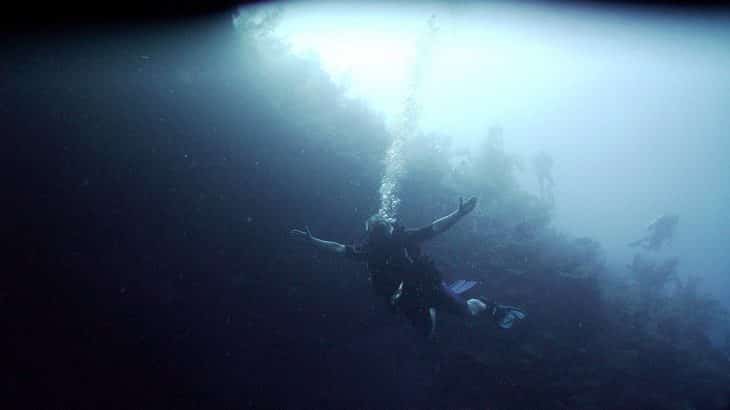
[
  {"x": 408, "y": 281},
  {"x": 661, "y": 230},
  {"x": 543, "y": 165}
]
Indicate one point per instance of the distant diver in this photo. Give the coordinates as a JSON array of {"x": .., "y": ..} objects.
[
  {"x": 543, "y": 164},
  {"x": 409, "y": 282},
  {"x": 659, "y": 232}
]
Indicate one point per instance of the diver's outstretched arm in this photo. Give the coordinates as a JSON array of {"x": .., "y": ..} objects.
[
  {"x": 653, "y": 225},
  {"x": 637, "y": 242},
  {"x": 443, "y": 224},
  {"x": 329, "y": 246}
]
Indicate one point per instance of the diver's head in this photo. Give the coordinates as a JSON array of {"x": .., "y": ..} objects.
[{"x": 378, "y": 228}]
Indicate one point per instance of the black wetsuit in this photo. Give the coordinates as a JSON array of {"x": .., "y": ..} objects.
[{"x": 398, "y": 259}]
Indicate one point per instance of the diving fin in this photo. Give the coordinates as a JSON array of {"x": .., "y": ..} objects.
[
  {"x": 504, "y": 315},
  {"x": 461, "y": 286},
  {"x": 507, "y": 315}
]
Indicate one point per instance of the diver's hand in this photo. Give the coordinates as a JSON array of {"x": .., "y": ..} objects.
[
  {"x": 305, "y": 235},
  {"x": 466, "y": 207}
]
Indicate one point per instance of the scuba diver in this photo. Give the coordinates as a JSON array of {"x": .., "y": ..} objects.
[
  {"x": 543, "y": 165},
  {"x": 660, "y": 231},
  {"x": 409, "y": 282}
]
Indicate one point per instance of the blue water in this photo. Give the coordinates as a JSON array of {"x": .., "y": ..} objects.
[{"x": 154, "y": 177}]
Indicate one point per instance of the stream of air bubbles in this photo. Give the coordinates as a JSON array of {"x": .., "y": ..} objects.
[{"x": 406, "y": 125}]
